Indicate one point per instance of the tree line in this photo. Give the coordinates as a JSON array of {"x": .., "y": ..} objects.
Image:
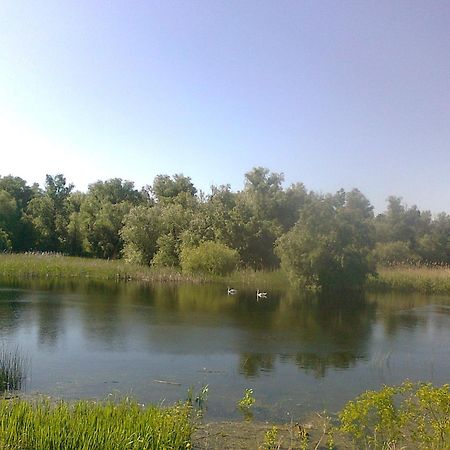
[{"x": 319, "y": 239}]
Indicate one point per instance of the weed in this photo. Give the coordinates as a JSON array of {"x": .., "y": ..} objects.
[{"x": 271, "y": 441}]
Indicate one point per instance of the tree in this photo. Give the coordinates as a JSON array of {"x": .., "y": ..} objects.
[
  {"x": 141, "y": 230},
  {"x": 49, "y": 214},
  {"x": 102, "y": 215},
  {"x": 9, "y": 219},
  {"x": 153, "y": 235},
  {"x": 328, "y": 247},
  {"x": 20, "y": 231},
  {"x": 166, "y": 188}
]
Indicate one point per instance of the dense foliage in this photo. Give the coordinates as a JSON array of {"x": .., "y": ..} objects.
[
  {"x": 209, "y": 257},
  {"x": 405, "y": 416},
  {"x": 329, "y": 245},
  {"x": 319, "y": 239}
]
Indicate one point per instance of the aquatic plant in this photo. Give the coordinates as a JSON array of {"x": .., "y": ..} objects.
[
  {"x": 246, "y": 402},
  {"x": 12, "y": 369}
]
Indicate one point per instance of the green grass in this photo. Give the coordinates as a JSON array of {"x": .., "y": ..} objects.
[
  {"x": 424, "y": 279},
  {"x": 54, "y": 266},
  {"x": 12, "y": 369},
  {"x": 46, "y": 425},
  {"x": 263, "y": 279}
]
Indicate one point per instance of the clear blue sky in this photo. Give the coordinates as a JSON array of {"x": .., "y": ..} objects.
[{"x": 331, "y": 93}]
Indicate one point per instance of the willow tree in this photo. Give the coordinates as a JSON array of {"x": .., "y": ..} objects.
[{"x": 329, "y": 246}]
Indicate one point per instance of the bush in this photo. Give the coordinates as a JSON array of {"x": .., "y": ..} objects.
[
  {"x": 407, "y": 416},
  {"x": 209, "y": 258}
]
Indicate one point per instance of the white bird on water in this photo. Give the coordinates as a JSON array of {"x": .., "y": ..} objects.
[
  {"x": 260, "y": 294},
  {"x": 231, "y": 291}
]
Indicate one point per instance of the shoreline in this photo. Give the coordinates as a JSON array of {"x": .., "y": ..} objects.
[{"x": 16, "y": 267}]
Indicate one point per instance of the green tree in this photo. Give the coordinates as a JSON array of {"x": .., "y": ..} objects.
[
  {"x": 153, "y": 235},
  {"x": 166, "y": 188},
  {"x": 140, "y": 233},
  {"x": 20, "y": 231},
  {"x": 9, "y": 219},
  {"x": 328, "y": 247},
  {"x": 49, "y": 214},
  {"x": 102, "y": 214}
]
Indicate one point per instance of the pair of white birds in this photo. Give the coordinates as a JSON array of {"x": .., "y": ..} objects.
[{"x": 259, "y": 294}]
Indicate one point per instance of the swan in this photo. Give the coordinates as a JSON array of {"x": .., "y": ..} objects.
[
  {"x": 260, "y": 294},
  {"x": 231, "y": 291}
]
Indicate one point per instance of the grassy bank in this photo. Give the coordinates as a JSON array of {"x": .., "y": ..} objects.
[
  {"x": 35, "y": 265},
  {"x": 424, "y": 279},
  {"x": 43, "y": 425},
  {"x": 55, "y": 266}
]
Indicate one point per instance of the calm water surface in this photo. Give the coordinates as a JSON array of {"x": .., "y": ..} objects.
[{"x": 299, "y": 354}]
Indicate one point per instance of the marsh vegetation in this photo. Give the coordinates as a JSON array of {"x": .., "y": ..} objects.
[{"x": 13, "y": 369}]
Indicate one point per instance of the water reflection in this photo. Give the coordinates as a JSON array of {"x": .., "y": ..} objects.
[{"x": 92, "y": 334}]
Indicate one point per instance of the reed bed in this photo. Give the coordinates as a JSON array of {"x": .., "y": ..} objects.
[
  {"x": 12, "y": 369},
  {"x": 56, "y": 266},
  {"x": 264, "y": 279},
  {"x": 45, "y": 425},
  {"x": 427, "y": 279}
]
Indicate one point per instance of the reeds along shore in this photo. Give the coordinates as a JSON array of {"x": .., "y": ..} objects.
[
  {"x": 13, "y": 366},
  {"x": 428, "y": 279}
]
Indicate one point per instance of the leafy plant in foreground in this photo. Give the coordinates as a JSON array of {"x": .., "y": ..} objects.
[{"x": 411, "y": 415}]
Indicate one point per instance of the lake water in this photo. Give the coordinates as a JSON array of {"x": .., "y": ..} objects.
[{"x": 298, "y": 353}]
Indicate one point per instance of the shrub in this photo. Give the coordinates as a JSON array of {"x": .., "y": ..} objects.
[
  {"x": 405, "y": 416},
  {"x": 209, "y": 258}
]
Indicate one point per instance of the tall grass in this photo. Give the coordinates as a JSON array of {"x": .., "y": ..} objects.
[
  {"x": 44, "y": 425},
  {"x": 12, "y": 369},
  {"x": 427, "y": 279},
  {"x": 263, "y": 279},
  {"x": 419, "y": 278},
  {"x": 55, "y": 266}
]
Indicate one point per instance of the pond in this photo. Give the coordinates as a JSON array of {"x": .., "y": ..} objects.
[{"x": 299, "y": 353}]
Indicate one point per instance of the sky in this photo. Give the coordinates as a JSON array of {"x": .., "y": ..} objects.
[{"x": 334, "y": 94}]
